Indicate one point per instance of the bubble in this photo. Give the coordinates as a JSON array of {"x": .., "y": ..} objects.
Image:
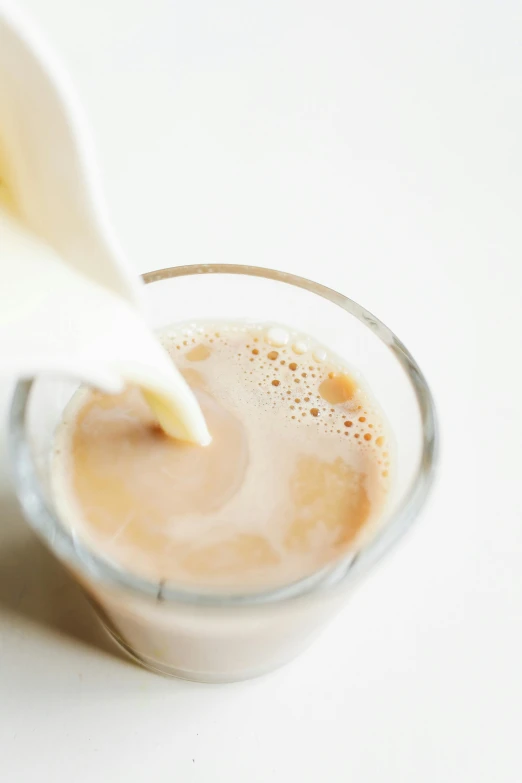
[
  {"x": 300, "y": 347},
  {"x": 292, "y": 366},
  {"x": 272, "y": 355},
  {"x": 367, "y": 436},
  {"x": 319, "y": 354},
  {"x": 277, "y": 336},
  {"x": 297, "y": 380},
  {"x": 314, "y": 411},
  {"x": 255, "y": 351},
  {"x": 297, "y": 399},
  {"x": 379, "y": 441},
  {"x": 275, "y": 382},
  {"x": 348, "y": 423},
  {"x": 362, "y": 418}
]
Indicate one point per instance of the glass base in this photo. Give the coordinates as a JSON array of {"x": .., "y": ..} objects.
[{"x": 183, "y": 674}]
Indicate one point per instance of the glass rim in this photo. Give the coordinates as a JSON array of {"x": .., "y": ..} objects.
[{"x": 346, "y": 569}]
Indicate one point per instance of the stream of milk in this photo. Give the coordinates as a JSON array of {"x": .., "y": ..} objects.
[{"x": 55, "y": 320}]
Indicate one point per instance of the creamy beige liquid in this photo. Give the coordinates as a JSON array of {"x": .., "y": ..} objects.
[{"x": 297, "y": 470}]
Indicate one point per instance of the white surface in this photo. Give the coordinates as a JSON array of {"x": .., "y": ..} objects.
[{"x": 376, "y": 147}]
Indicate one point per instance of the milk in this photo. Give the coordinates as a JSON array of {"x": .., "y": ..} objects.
[
  {"x": 56, "y": 320},
  {"x": 70, "y": 301}
]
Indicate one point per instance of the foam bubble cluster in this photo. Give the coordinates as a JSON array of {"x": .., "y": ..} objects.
[{"x": 288, "y": 372}]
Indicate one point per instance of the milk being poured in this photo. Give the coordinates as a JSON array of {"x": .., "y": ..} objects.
[
  {"x": 70, "y": 301},
  {"x": 54, "y": 319}
]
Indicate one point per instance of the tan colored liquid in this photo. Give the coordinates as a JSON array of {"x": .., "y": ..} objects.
[{"x": 297, "y": 467}]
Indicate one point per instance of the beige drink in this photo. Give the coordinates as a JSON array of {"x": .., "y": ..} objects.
[
  {"x": 296, "y": 474},
  {"x": 219, "y": 563}
]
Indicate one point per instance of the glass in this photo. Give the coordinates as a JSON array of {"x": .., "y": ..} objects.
[{"x": 213, "y": 636}]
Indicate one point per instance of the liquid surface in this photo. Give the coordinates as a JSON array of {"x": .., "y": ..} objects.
[{"x": 296, "y": 472}]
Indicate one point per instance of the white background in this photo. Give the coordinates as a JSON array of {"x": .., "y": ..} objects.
[{"x": 374, "y": 146}]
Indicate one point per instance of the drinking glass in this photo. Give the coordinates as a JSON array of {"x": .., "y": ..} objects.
[{"x": 212, "y": 635}]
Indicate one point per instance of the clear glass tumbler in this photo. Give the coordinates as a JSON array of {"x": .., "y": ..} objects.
[{"x": 214, "y": 636}]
